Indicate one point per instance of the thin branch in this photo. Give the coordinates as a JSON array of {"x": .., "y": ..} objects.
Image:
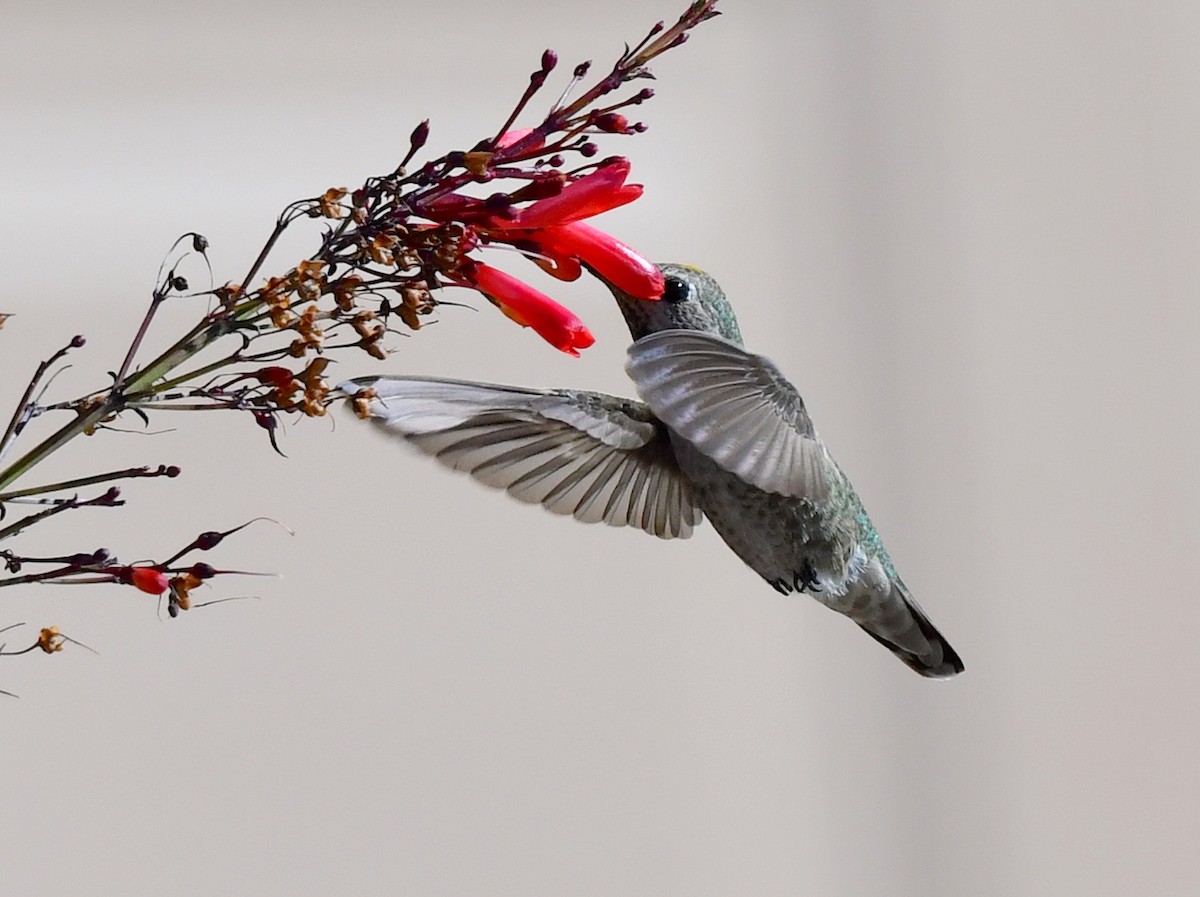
[
  {"x": 108, "y": 499},
  {"x": 22, "y": 412},
  {"x": 128, "y": 473}
]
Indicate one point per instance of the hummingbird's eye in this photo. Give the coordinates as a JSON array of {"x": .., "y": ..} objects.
[{"x": 675, "y": 289}]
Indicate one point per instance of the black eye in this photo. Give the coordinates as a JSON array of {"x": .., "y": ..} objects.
[{"x": 675, "y": 290}]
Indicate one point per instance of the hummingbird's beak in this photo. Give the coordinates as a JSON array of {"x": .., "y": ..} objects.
[{"x": 633, "y": 309}]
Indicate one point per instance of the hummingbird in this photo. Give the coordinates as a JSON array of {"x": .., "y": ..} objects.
[{"x": 719, "y": 433}]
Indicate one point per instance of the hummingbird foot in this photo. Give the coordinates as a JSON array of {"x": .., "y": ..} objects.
[{"x": 804, "y": 580}]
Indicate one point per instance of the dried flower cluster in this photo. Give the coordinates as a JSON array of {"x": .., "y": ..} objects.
[{"x": 386, "y": 253}]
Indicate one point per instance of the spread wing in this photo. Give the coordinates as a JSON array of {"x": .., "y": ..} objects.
[
  {"x": 734, "y": 407},
  {"x": 590, "y": 455}
]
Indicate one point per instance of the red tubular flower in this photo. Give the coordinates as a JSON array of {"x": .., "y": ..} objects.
[
  {"x": 603, "y": 189},
  {"x": 552, "y": 226},
  {"x": 148, "y": 580},
  {"x": 531, "y": 308},
  {"x": 613, "y": 260},
  {"x": 555, "y": 224},
  {"x": 456, "y": 207},
  {"x": 508, "y": 138}
]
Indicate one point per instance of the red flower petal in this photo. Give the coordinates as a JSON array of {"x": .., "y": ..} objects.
[
  {"x": 531, "y": 308},
  {"x": 613, "y": 260}
]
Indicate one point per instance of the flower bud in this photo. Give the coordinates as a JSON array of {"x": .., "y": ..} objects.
[
  {"x": 419, "y": 135},
  {"x": 150, "y": 580},
  {"x": 612, "y": 123}
]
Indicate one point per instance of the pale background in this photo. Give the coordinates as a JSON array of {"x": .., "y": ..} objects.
[{"x": 968, "y": 231}]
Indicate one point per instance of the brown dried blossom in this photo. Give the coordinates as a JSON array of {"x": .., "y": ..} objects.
[
  {"x": 329, "y": 203},
  {"x": 50, "y": 640}
]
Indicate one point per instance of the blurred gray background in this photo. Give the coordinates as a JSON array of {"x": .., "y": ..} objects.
[{"x": 969, "y": 234}]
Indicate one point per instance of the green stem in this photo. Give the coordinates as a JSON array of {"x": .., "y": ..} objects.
[
  {"x": 36, "y": 577},
  {"x": 130, "y": 473},
  {"x": 198, "y": 372},
  {"x": 196, "y": 341}
]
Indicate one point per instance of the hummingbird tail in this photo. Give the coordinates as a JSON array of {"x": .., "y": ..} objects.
[{"x": 928, "y": 653}]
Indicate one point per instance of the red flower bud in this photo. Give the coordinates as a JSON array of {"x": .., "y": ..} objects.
[
  {"x": 454, "y": 207},
  {"x": 148, "y": 580},
  {"x": 279, "y": 377},
  {"x": 419, "y": 135},
  {"x": 613, "y": 123}
]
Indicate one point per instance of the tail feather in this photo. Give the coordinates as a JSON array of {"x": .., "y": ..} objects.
[
  {"x": 941, "y": 663},
  {"x": 936, "y": 660}
]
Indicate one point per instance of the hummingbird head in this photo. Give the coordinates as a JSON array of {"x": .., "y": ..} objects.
[{"x": 691, "y": 300}]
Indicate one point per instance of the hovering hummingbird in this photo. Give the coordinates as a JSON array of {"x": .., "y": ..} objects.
[{"x": 720, "y": 432}]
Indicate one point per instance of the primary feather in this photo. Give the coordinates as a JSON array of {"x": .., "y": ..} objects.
[{"x": 595, "y": 457}]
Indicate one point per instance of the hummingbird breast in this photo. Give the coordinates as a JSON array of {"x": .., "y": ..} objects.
[{"x": 791, "y": 543}]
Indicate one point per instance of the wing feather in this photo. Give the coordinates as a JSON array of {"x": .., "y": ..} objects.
[
  {"x": 592, "y": 456},
  {"x": 734, "y": 407}
]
